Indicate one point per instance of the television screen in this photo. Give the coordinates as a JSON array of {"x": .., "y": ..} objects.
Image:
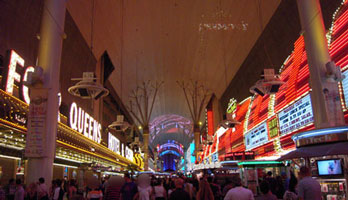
[{"x": 329, "y": 167}]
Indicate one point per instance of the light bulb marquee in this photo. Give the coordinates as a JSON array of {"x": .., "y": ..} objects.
[{"x": 275, "y": 118}]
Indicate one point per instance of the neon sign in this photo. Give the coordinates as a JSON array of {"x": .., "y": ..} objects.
[
  {"x": 82, "y": 122},
  {"x": 232, "y": 106},
  {"x": 15, "y": 76},
  {"x": 114, "y": 144},
  {"x": 129, "y": 153}
]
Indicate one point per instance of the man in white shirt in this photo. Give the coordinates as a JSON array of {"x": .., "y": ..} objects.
[
  {"x": 19, "y": 195},
  {"x": 238, "y": 192},
  {"x": 42, "y": 189}
]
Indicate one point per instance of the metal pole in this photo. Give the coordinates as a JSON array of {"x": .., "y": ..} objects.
[
  {"x": 49, "y": 57},
  {"x": 146, "y": 148},
  {"x": 197, "y": 135},
  {"x": 318, "y": 55}
]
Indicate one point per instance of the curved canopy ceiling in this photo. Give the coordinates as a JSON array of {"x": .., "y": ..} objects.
[
  {"x": 171, "y": 127},
  {"x": 172, "y": 40}
]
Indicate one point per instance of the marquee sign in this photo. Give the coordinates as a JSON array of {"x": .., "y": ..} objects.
[
  {"x": 296, "y": 115},
  {"x": 256, "y": 137},
  {"x": 84, "y": 123}
]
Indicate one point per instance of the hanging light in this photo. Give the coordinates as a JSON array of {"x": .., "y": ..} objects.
[
  {"x": 119, "y": 124},
  {"x": 87, "y": 88}
]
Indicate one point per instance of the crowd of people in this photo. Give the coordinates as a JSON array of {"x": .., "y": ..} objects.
[{"x": 147, "y": 187}]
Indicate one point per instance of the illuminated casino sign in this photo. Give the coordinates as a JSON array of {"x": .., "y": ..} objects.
[
  {"x": 114, "y": 144},
  {"x": 296, "y": 115},
  {"x": 129, "y": 153},
  {"x": 84, "y": 123},
  {"x": 256, "y": 137},
  {"x": 17, "y": 72}
]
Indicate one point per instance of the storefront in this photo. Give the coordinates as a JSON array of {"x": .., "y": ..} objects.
[
  {"x": 268, "y": 122},
  {"x": 75, "y": 153},
  {"x": 82, "y": 141},
  {"x": 325, "y": 152}
]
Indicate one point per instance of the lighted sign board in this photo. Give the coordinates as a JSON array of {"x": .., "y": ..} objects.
[
  {"x": 114, "y": 144},
  {"x": 17, "y": 72},
  {"x": 232, "y": 106},
  {"x": 256, "y": 136},
  {"x": 84, "y": 123},
  {"x": 129, "y": 153},
  {"x": 345, "y": 86},
  {"x": 273, "y": 127},
  {"x": 296, "y": 115}
]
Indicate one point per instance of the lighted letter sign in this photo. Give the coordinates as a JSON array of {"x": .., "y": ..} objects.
[
  {"x": 12, "y": 74},
  {"x": 114, "y": 144},
  {"x": 129, "y": 153},
  {"x": 296, "y": 115},
  {"x": 19, "y": 75},
  {"x": 256, "y": 137},
  {"x": 25, "y": 88},
  {"x": 82, "y": 122}
]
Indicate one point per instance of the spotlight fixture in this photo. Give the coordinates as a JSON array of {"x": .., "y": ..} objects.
[
  {"x": 268, "y": 84},
  {"x": 229, "y": 123},
  {"x": 119, "y": 124},
  {"x": 87, "y": 88}
]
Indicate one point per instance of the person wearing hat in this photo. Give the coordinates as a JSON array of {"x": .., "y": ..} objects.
[{"x": 239, "y": 192}]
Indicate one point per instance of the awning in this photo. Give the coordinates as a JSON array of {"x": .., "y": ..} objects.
[{"x": 340, "y": 148}]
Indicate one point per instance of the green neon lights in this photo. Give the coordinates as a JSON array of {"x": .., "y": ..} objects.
[{"x": 259, "y": 162}]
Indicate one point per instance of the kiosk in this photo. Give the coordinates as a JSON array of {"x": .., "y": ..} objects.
[{"x": 325, "y": 152}]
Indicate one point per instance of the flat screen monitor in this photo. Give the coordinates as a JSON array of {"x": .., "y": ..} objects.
[{"x": 330, "y": 167}]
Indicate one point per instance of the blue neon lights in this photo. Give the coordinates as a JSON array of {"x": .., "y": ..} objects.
[
  {"x": 320, "y": 132},
  {"x": 169, "y": 152}
]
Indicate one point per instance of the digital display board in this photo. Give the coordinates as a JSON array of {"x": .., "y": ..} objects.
[
  {"x": 256, "y": 136},
  {"x": 297, "y": 115}
]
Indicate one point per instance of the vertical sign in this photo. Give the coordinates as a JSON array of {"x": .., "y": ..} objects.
[
  {"x": 273, "y": 127},
  {"x": 36, "y": 137}
]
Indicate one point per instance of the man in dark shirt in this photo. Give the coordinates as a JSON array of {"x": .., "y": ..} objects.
[
  {"x": 129, "y": 189},
  {"x": 179, "y": 192}
]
